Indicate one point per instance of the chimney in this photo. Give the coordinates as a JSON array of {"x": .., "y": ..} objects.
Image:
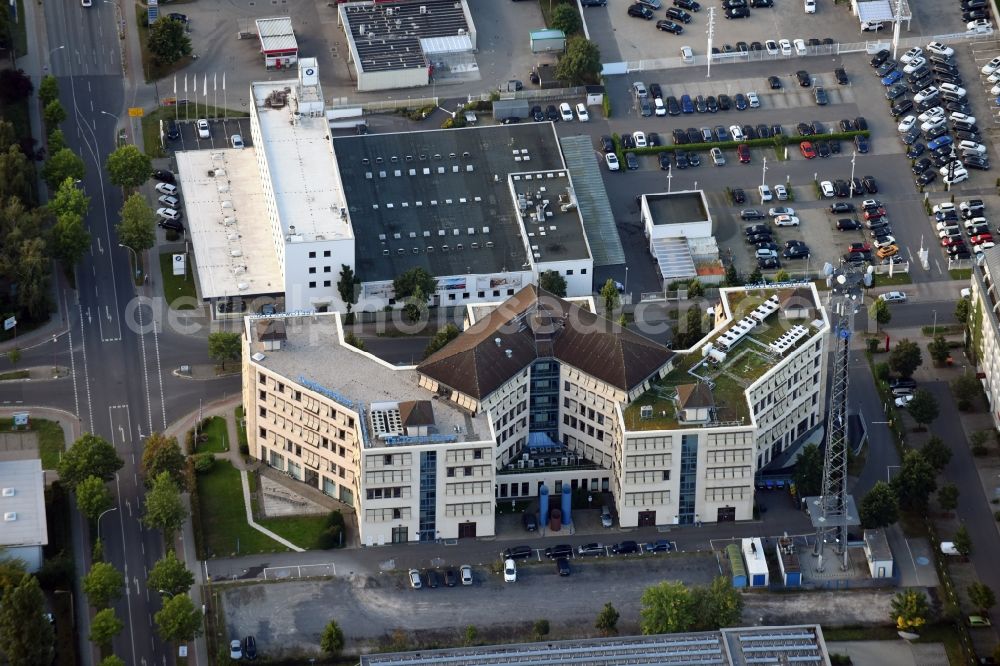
[
  {"x": 497, "y": 341},
  {"x": 509, "y": 353}
]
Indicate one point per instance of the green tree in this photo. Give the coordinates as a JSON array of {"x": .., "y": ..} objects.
[
  {"x": 937, "y": 453},
  {"x": 354, "y": 341},
  {"x": 914, "y": 482},
  {"x": 111, "y": 660},
  {"x": 414, "y": 282},
  {"x": 692, "y": 330},
  {"x": 905, "y": 358},
  {"x": 137, "y": 228},
  {"x": 879, "y": 508},
  {"x": 610, "y": 297},
  {"x": 981, "y": 596},
  {"x": 540, "y": 629},
  {"x": 552, "y": 281},
  {"x": 26, "y": 635},
  {"x": 170, "y": 575},
  {"x": 471, "y": 634},
  {"x": 879, "y": 312},
  {"x": 163, "y": 454},
  {"x": 581, "y": 63},
  {"x": 56, "y": 141},
  {"x": 346, "y": 286},
  {"x": 331, "y": 641},
  {"x": 948, "y": 497},
  {"x": 103, "y": 584},
  {"x": 178, "y": 621},
  {"x": 756, "y": 277},
  {"x": 168, "y": 41},
  {"x": 667, "y": 608},
  {"x": 963, "y": 541},
  {"x": 733, "y": 278},
  {"x": 567, "y": 19},
  {"x": 962, "y": 309},
  {"x": 104, "y": 627},
  {"x": 93, "y": 497},
  {"x": 53, "y": 114},
  {"x": 128, "y": 166},
  {"x": 69, "y": 199},
  {"x": 70, "y": 240},
  {"x": 15, "y": 85},
  {"x": 224, "y": 346},
  {"x": 164, "y": 509},
  {"x": 967, "y": 390},
  {"x": 62, "y": 164},
  {"x": 782, "y": 276},
  {"x": 808, "y": 475},
  {"x": 48, "y": 89},
  {"x": 910, "y": 610},
  {"x": 938, "y": 349},
  {"x": 12, "y": 570},
  {"x": 923, "y": 407},
  {"x": 441, "y": 338},
  {"x": 88, "y": 456},
  {"x": 607, "y": 620},
  {"x": 17, "y": 178},
  {"x": 718, "y": 605}
]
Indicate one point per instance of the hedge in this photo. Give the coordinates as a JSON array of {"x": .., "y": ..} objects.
[{"x": 780, "y": 140}]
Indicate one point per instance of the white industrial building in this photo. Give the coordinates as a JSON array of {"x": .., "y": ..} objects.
[
  {"x": 678, "y": 227},
  {"x": 484, "y": 210},
  {"x": 23, "y": 531}
]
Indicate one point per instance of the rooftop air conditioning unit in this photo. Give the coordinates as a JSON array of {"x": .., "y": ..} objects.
[
  {"x": 8, "y": 492},
  {"x": 10, "y": 516}
]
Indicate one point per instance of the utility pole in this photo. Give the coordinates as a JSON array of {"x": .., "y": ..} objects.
[
  {"x": 895, "y": 28},
  {"x": 711, "y": 34},
  {"x": 854, "y": 155},
  {"x": 833, "y": 511},
  {"x": 670, "y": 176}
]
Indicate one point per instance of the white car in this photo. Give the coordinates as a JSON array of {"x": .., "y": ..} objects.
[
  {"x": 952, "y": 89},
  {"x": 771, "y": 47},
  {"x": 800, "y": 47},
  {"x": 235, "y": 649},
  {"x": 658, "y": 107},
  {"x": 943, "y": 207},
  {"x": 204, "y": 132},
  {"x": 972, "y": 146},
  {"x": 893, "y": 297},
  {"x": 940, "y": 49},
  {"x": 718, "y": 159},
  {"x": 781, "y": 210},
  {"x": 781, "y": 193},
  {"x": 166, "y": 188},
  {"x": 983, "y": 247},
  {"x": 687, "y": 55},
  {"x": 885, "y": 242},
  {"x": 509, "y": 571},
  {"x": 949, "y": 232},
  {"x": 786, "y": 47},
  {"x": 915, "y": 52},
  {"x": 765, "y": 193},
  {"x": 809, "y": 6},
  {"x": 962, "y": 118},
  {"x": 415, "y": 581},
  {"x": 959, "y": 176},
  {"x": 991, "y": 66},
  {"x": 612, "y": 161},
  {"x": 906, "y": 124},
  {"x": 914, "y": 65},
  {"x": 764, "y": 253},
  {"x": 168, "y": 201},
  {"x": 935, "y": 112},
  {"x": 975, "y": 222},
  {"x": 168, "y": 214},
  {"x": 946, "y": 225},
  {"x": 827, "y": 188},
  {"x": 640, "y": 139},
  {"x": 947, "y": 167},
  {"x": 786, "y": 221},
  {"x": 980, "y": 26},
  {"x": 737, "y": 132},
  {"x": 931, "y": 124},
  {"x": 581, "y": 113},
  {"x": 753, "y": 99},
  {"x": 237, "y": 142},
  {"x": 925, "y": 94},
  {"x": 904, "y": 400},
  {"x": 566, "y": 111}
]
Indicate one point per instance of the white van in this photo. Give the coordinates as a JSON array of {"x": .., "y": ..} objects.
[{"x": 810, "y": 6}]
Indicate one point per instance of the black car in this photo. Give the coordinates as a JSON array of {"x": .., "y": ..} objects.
[
  {"x": 855, "y": 258},
  {"x": 962, "y": 135},
  {"x": 750, "y": 132},
  {"x": 529, "y": 521},
  {"x": 721, "y": 133},
  {"x": 755, "y": 46},
  {"x": 693, "y": 159},
  {"x": 537, "y": 114},
  {"x": 517, "y": 553},
  {"x": 871, "y": 187},
  {"x": 432, "y": 578},
  {"x": 848, "y": 224},
  {"x": 976, "y": 162},
  {"x": 183, "y": 19},
  {"x": 741, "y": 46},
  {"x": 450, "y": 578},
  {"x": 796, "y": 252},
  {"x": 561, "y": 550},
  {"x": 594, "y": 3},
  {"x": 690, "y": 5},
  {"x": 935, "y": 132},
  {"x": 631, "y": 161},
  {"x": 761, "y": 3},
  {"x": 958, "y": 107},
  {"x": 861, "y": 143},
  {"x": 679, "y": 14},
  {"x": 763, "y": 131},
  {"x": 822, "y": 148},
  {"x": 841, "y": 75},
  {"x": 607, "y": 144},
  {"x": 173, "y": 131},
  {"x": 860, "y": 124},
  {"x": 673, "y": 106},
  {"x": 590, "y": 549},
  {"x": 918, "y": 85},
  {"x": 171, "y": 225},
  {"x": 712, "y": 104},
  {"x": 944, "y": 68},
  {"x": 919, "y": 73},
  {"x": 856, "y": 186},
  {"x": 880, "y": 57},
  {"x": 669, "y": 26},
  {"x": 885, "y": 68},
  {"x": 562, "y": 566},
  {"x": 740, "y": 100},
  {"x": 975, "y": 15},
  {"x": 640, "y": 11},
  {"x": 628, "y": 141},
  {"x": 653, "y": 139},
  {"x": 664, "y": 160},
  {"x": 766, "y": 263},
  {"x": 846, "y": 125},
  {"x": 625, "y": 548},
  {"x": 774, "y": 82},
  {"x": 941, "y": 77},
  {"x": 895, "y": 91},
  {"x": 803, "y": 78},
  {"x": 655, "y": 91},
  {"x": 910, "y": 137},
  {"x": 680, "y": 160},
  {"x": 754, "y": 214},
  {"x": 841, "y": 207},
  {"x": 804, "y": 129},
  {"x": 739, "y": 196},
  {"x": 249, "y": 643},
  {"x": 679, "y": 136},
  {"x": 841, "y": 188},
  {"x": 694, "y": 135},
  {"x": 754, "y": 239},
  {"x": 699, "y": 104},
  {"x": 901, "y": 107},
  {"x": 920, "y": 166},
  {"x": 737, "y": 13},
  {"x": 164, "y": 176},
  {"x": 818, "y": 127},
  {"x": 725, "y": 103},
  {"x": 926, "y": 177},
  {"x": 552, "y": 113},
  {"x": 776, "y": 130}
]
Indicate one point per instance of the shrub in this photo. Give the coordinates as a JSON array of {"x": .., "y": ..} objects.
[
  {"x": 189, "y": 442},
  {"x": 881, "y": 369},
  {"x": 979, "y": 450},
  {"x": 203, "y": 463}
]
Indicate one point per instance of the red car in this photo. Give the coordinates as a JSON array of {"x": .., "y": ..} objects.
[
  {"x": 859, "y": 247},
  {"x": 743, "y": 152},
  {"x": 953, "y": 240},
  {"x": 874, "y": 213},
  {"x": 981, "y": 238},
  {"x": 807, "y": 150}
]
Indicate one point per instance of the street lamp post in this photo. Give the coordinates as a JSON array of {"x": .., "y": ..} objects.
[
  {"x": 670, "y": 176},
  {"x": 763, "y": 173},
  {"x": 135, "y": 256},
  {"x": 711, "y": 34},
  {"x": 854, "y": 155},
  {"x": 114, "y": 508}
]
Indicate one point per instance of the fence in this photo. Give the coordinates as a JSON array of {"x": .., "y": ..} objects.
[
  {"x": 390, "y": 105},
  {"x": 301, "y": 571}
]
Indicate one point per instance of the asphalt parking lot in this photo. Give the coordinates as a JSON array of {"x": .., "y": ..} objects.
[{"x": 221, "y": 133}]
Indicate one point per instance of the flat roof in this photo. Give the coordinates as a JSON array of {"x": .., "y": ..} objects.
[
  {"x": 22, "y": 504},
  {"x": 550, "y": 215},
  {"x": 276, "y": 34},
  {"x": 433, "y": 188},
  {"x": 726, "y": 647},
  {"x": 677, "y": 207},
  {"x": 227, "y": 223},
  {"x": 388, "y": 35},
  {"x": 300, "y": 162},
  {"x": 313, "y": 354}
]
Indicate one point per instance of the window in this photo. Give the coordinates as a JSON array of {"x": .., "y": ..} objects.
[
  {"x": 510, "y": 292},
  {"x": 467, "y": 471},
  {"x": 496, "y": 292},
  {"x": 387, "y": 460},
  {"x": 583, "y": 271},
  {"x": 478, "y": 454},
  {"x": 262, "y": 394},
  {"x": 312, "y": 269},
  {"x": 261, "y": 432},
  {"x": 312, "y": 285},
  {"x": 326, "y": 269},
  {"x": 451, "y": 297},
  {"x": 569, "y": 271},
  {"x": 312, "y": 255},
  {"x": 451, "y": 472},
  {"x": 396, "y": 514},
  {"x": 263, "y": 411},
  {"x": 326, "y": 253},
  {"x": 326, "y": 283},
  {"x": 261, "y": 378}
]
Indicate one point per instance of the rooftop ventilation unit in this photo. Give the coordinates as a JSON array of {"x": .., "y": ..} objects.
[
  {"x": 8, "y": 492},
  {"x": 509, "y": 353},
  {"x": 258, "y": 357},
  {"x": 10, "y": 516}
]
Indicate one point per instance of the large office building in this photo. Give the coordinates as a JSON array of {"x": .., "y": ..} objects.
[
  {"x": 484, "y": 210},
  {"x": 984, "y": 322},
  {"x": 539, "y": 391}
]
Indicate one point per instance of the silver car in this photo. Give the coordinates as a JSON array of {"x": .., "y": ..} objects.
[{"x": 718, "y": 159}]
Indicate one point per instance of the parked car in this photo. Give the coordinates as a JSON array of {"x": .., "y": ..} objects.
[
  {"x": 562, "y": 566},
  {"x": 509, "y": 571},
  {"x": 560, "y": 550},
  {"x": 465, "y": 571},
  {"x": 625, "y": 548},
  {"x": 591, "y": 549}
]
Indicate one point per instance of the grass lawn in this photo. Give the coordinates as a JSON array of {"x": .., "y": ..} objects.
[
  {"x": 960, "y": 273},
  {"x": 886, "y": 281},
  {"x": 51, "y": 441},
  {"x": 217, "y": 438},
  {"x": 177, "y": 286},
  {"x": 19, "y": 31},
  {"x": 241, "y": 427},
  {"x": 224, "y": 525},
  {"x": 16, "y": 374},
  {"x": 303, "y": 531}
]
